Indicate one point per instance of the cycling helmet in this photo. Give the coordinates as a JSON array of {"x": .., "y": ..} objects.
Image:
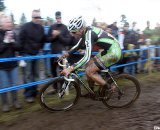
[{"x": 76, "y": 23}]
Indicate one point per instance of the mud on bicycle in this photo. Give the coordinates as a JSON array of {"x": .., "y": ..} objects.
[{"x": 122, "y": 91}]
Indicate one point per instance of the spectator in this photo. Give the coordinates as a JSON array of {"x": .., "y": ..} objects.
[
  {"x": 60, "y": 38},
  {"x": 140, "y": 54},
  {"x": 144, "y": 56},
  {"x": 8, "y": 70},
  {"x": 157, "y": 43},
  {"x": 114, "y": 29},
  {"x": 130, "y": 37},
  {"x": 151, "y": 53},
  {"x": 121, "y": 37},
  {"x": 130, "y": 57},
  {"x": 133, "y": 27},
  {"x": 32, "y": 38},
  {"x": 109, "y": 30},
  {"x": 101, "y": 25},
  {"x": 125, "y": 37},
  {"x": 148, "y": 32},
  {"x": 135, "y": 35},
  {"x": 157, "y": 62},
  {"x": 47, "y": 50}
]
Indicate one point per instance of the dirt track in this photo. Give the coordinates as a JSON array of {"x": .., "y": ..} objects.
[{"x": 93, "y": 115}]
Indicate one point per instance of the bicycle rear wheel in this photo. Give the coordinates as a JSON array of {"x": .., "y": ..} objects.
[
  {"x": 130, "y": 88},
  {"x": 59, "y": 99}
]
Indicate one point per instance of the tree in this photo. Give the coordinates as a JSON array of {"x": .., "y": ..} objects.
[
  {"x": 2, "y": 7},
  {"x": 23, "y": 19}
]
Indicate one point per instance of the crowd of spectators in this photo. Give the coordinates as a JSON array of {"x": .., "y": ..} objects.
[
  {"x": 130, "y": 37},
  {"x": 37, "y": 37}
]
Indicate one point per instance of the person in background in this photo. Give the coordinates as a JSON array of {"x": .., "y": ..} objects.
[
  {"x": 109, "y": 30},
  {"x": 126, "y": 37},
  {"x": 47, "y": 50},
  {"x": 8, "y": 70},
  {"x": 135, "y": 33},
  {"x": 140, "y": 42},
  {"x": 101, "y": 25},
  {"x": 133, "y": 27},
  {"x": 60, "y": 39},
  {"x": 130, "y": 57},
  {"x": 149, "y": 66},
  {"x": 32, "y": 38},
  {"x": 114, "y": 29}
]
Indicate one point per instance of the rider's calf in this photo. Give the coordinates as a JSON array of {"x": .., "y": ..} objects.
[{"x": 92, "y": 72}]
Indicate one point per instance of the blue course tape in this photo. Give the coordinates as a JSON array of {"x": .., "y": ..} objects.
[
  {"x": 25, "y": 85},
  {"x": 56, "y": 55},
  {"x": 29, "y": 57}
]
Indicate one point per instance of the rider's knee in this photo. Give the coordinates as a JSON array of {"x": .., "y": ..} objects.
[{"x": 88, "y": 72}]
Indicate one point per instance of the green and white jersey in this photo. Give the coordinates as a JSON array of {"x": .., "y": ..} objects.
[{"x": 108, "y": 44}]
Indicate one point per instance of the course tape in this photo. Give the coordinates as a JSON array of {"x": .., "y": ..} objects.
[
  {"x": 2, "y": 90},
  {"x": 57, "y": 55}
]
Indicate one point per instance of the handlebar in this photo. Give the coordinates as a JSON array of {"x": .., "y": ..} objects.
[
  {"x": 69, "y": 80},
  {"x": 65, "y": 63},
  {"x": 61, "y": 64}
]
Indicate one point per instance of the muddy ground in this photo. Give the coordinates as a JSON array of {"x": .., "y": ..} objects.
[{"x": 93, "y": 115}]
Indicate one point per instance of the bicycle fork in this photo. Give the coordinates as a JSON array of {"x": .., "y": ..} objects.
[
  {"x": 65, "y": 86},
  {"x": 64, "y": 89}
]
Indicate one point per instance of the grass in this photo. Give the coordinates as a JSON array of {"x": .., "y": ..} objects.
[
  {"x": 32, "y": 107},
  {"x": 13, "y": 114}
]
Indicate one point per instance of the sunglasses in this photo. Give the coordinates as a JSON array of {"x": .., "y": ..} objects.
[
  {"x": 73, "y": 32},
  {"x": 58, "y": 17},
  {"x": 37, "y": 17}
]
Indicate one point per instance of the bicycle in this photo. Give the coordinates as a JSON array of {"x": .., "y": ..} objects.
[{"x": 126, "y": 91}]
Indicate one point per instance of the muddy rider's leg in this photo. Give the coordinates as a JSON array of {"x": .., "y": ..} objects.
[
  {"x": 92, "y": 73},
  {"x": 90, "y": 83}
]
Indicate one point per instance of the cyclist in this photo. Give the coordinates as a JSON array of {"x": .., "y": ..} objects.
[{"x": 110, "y": 50}]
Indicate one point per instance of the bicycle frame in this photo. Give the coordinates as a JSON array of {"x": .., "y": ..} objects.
[
  {"x": 75, "y": 74},
  {"x": 106, "y": 72},
  {"x": 79, "y": 79}
]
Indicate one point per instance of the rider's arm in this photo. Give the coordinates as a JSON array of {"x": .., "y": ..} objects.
[
  {"x": 88, "y": 50},
  {"x": 74, "y": 48}
]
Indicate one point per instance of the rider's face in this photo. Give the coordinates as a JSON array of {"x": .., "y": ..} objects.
[{"x": 77, "y": 34}]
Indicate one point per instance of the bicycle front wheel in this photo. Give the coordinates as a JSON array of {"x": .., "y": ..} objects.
[
  {"x": 128, "y": 85},
  {"x": 55, "y": 97}
]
